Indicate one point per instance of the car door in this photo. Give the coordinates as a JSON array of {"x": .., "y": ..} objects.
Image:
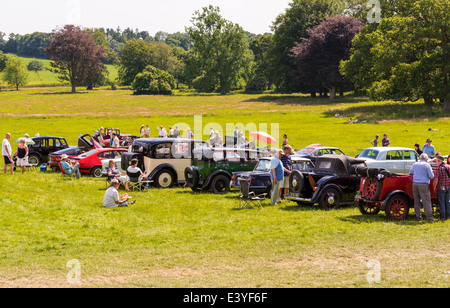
[{"x": 409, "y": 158}]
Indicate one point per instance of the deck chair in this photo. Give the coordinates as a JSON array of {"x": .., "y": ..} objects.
[
  {"x": 64, "y": 175},
  {"x": 249, "y": 198},
  {"x": 134, "y": 183}
]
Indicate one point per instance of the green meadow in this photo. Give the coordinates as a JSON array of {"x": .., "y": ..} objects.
[{"x": 177, "y": 238}]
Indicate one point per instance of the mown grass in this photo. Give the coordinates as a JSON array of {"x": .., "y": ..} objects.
[{"x": 177, "y": 238}]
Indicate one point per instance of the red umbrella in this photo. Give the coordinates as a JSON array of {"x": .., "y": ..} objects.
[{"x": 264, "y": 137}]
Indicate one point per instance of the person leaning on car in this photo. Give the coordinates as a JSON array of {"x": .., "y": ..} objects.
[
  {"x": 422, "y": 175},
  {"x": 276, "y": 175},
  {"x": 441, "y": 184}
]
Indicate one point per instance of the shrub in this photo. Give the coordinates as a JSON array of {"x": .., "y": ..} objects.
[
  {"x": 35, "y": 65},
  {"x": 153, "y": 81},
  {"x": 257, "y": 84}
]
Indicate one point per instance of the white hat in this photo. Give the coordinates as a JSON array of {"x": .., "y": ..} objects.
[{"x": 64, "y": 156}]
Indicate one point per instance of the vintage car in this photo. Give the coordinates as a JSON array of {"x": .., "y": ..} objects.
[
  {"x": 212, "y": 168},
  {"x": 162, "y": 160},
  {"x": 259, "y": 178},
  {"x": 55, "y": 157},
  {"x": 395, "y": 159},
  {"x": 42, "y": 147},
  {"x": 91, "y": 161},
  {"x": 124, "y": 139},
  {"x": 391, "y": 193},
  {"x": 331, "y": 182},
  {"x": 313, "y": 151}
]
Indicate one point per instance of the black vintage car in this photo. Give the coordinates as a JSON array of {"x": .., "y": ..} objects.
[
  {"x": 42, "y": 147},
  {"x": 259, "y": 178},
  {"x": 333, "y": 181}
]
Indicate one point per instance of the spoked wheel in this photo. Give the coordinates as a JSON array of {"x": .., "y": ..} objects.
[
  {"x": 397, "y": 208},
  {"x": 220, "y": 185},
  {"x": 368, "y": 208},
  {"x": 372, "y": 188}
]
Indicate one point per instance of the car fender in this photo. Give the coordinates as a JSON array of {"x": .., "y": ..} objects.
[
  {"x": 212, "y": 175},
  {"x": 161, "y": 167},
  {"x": 394, "y": 192},
  {"x": 321, "y": 188}
]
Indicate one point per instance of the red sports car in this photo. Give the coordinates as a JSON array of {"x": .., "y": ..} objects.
[
  {"x": 90, "y": 162},
  {"x": 391, "y": 194}
]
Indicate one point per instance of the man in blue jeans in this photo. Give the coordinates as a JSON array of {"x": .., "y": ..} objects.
[
  {"x": 422, "y": 175},
  {"x": 68, "y": 169},
  {"x": 276, "y": 175},
  {"x": 441, "y": 184}
]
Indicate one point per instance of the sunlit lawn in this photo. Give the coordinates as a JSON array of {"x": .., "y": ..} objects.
[{"x": 175, "y": 238}]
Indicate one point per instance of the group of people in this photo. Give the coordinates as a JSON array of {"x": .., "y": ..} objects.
[
  {"x": 21, "y": 154},
  {"x": 423, "y": 174},
  {"x": 385, "y": 142},
  {"x": 173, "y": 132}
]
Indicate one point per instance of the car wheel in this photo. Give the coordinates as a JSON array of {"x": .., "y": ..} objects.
[
  {"x": 397, "y": 208},
  {"x": 296, "y": 182},
  {"x": 329, "y": 199},
  {"x": 96, "y": 172},
  {"x": 191, "y": 177},
  {"x": 220, "y": 184},
  {"x": 34, "y": 160},
  {"x": 368, "y": 208},
  {"x": 372, "y": 188},
  {"x": 165, "y": 179}
]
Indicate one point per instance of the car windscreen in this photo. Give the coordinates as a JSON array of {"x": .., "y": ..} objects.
[
  {"x": 89, "y": 153},
  {"x": 263, "y": 165},
  {"x": 369, "y": 153},
  {"x": 302, "y": 166},
  {"x": 305, "y": 151}
]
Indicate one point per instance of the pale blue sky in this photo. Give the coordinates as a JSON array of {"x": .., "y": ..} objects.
[{"x": 27, "y": 16}]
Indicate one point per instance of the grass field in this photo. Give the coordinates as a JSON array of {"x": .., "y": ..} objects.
[{"x": 177, "y": 238}]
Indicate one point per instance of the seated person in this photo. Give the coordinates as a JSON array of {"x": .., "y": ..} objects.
[
  {"x": 112, "y": 198},
  {"x": 135, "y": 169},
  {"x": 114, "y": 173},
  {"x": 67, "y": 167}
]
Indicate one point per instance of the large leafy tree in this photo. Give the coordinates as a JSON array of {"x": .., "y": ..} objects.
[
  {"x": 221, "y": 48},
  {"x": 75, "y": 56},
  {"x": 289, "y": 28},
  {"x": 318, "y": 56},
  {"x": 15, "y": 73},
  {"x": 407, "y": 56}
]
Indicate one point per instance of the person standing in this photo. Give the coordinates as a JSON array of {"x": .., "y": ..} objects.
[
  {"x": 375, "y": 141},
  {"x": 285, "y": 140},
  {"x": 441, "y": 185},
  {"x": 147, "y": 132},
  {"x": 276, "y": 176},
  {"x": 385, "y": 141},
  {"x": 115, "y": 141},
  {"x": 189, "y": 133},
  {"x": 112, "y": 199},
  {"x": 287, "y": 169},
  {"x": 428, "y": 148},
  {"x": 422, "y": 175},
  {"x": 22, "y": 155},
  {"x": 417, "y": 148},
  {"x": 7, "y": 155}
]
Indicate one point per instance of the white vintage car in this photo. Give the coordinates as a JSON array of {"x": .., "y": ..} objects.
[{"x": 395, "y": 159}]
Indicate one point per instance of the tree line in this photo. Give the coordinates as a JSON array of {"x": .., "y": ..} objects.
[{"x": 321, "y": 47}]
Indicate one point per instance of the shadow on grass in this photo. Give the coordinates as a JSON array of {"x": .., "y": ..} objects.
[
  {"x": 58, "y": 93},
  {"x": 306, "y": 100},
  {"x": 360, "y": 219},
  {"x": 378, "y": 112}
]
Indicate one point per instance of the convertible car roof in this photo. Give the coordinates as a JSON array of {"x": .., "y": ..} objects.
[{"x": 339, "y": 164}]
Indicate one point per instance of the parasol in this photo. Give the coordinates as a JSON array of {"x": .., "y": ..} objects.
[
  {"x": 263, "y": 137},
  {"x": 28, "y": 141}
]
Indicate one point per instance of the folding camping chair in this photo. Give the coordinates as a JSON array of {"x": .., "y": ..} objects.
[
  {"x": 135, "y": 183},
  {"x": 65, "y": 175},
  {"x": 249, "y": 198}
]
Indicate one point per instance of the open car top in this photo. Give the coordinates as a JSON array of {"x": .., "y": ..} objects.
[{"x": 337, "y": 164}]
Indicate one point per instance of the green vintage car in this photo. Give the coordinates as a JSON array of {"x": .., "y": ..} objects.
[{"x": 212, "y": 168}]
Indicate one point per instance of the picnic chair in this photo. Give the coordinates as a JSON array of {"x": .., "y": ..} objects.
[
  {"x": 65, "y": 175},
  {"x": 249, "y": 198},
  {"x": 135, "y": 183}
]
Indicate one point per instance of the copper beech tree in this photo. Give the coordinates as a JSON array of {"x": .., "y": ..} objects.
[{"x": 75, "y": 56}]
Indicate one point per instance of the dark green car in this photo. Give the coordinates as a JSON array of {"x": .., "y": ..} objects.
[{"x": 212, "y": 168}]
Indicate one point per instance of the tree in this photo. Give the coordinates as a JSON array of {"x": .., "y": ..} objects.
[
  {"x": 289, "y": 28},
  {"x": 154, "y": 81},
  {"x": 3, "y": 59},
  {"x": 32, "y": 45},
  {"x": 75, "y": 56},
  {"x": 137, "y": 55},
  {"x": 221, "y": 47},
  {"x": 15, "y": 72},
  {"x": 260, "y": 46},
  {"x": 35, "y": 65},
  {"x": 407, "y": 56},
  {"x": 318, "y": 56}
]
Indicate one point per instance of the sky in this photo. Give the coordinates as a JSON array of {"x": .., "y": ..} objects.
[{"x": 28, "y": 16}]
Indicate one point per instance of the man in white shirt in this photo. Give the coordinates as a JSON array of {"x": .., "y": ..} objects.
[
  {"x": 7, "y": 155},
  {"x": 112, "y": 198},
  {"x": 116, "y": 142}
]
